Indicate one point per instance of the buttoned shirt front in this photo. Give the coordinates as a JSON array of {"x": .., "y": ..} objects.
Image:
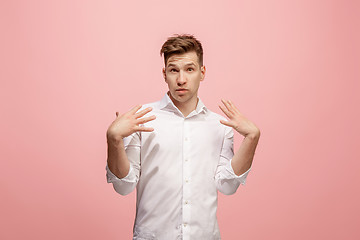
[{"x": 178, "y": 170}]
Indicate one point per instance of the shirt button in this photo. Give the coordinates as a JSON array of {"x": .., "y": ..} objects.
[
  {"x": 185, "y": 224},
  {"x": 186, "y": 139},
  {"x": 186, "y": 160},
  {"x": 186, "y": 180},
  {"x": 186, "y": 202}
]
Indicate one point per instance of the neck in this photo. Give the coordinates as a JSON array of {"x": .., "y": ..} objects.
[{"x": 185, "y": 107}]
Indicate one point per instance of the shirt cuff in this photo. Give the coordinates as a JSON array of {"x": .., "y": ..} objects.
[
  {"x": 231, "y": 173},
  {"x": 111, "y": 177}
]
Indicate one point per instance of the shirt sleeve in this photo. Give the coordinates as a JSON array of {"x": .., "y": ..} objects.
[
  {"x": 128, "y": 183},
  {"x": 227, "y": 182}
]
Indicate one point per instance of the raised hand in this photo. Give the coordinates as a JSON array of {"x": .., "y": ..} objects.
[
  {"x": 238, "y": 121},
  {"x": 129, "y": 122}
]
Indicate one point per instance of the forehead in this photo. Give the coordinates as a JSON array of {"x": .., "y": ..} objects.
[{"x": 183, "y": 59}]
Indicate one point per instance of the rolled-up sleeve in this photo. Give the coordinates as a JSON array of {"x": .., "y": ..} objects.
[
  {"x": 128, "y": 183},
  {"x": 227, "y": 182}
]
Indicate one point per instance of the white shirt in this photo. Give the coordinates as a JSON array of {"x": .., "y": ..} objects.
[{"x": 177, "y": 170}]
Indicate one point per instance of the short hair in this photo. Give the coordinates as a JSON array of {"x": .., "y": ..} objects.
[{"x": 182, "y": 43}]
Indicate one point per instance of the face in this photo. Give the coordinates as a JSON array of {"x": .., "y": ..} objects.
[{"x": 183, "y": 75}]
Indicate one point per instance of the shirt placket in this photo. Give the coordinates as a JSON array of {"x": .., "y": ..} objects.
[{"x": 187, "y": 181}]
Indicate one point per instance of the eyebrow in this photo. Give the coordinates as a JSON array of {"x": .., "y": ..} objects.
[{"x": 188, "y": 64}]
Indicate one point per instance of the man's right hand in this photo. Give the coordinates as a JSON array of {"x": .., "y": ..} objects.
[{"x": 128, "y": 123}]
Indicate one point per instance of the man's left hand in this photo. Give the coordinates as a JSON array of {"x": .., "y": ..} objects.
[{"x": 238, "y": 121}]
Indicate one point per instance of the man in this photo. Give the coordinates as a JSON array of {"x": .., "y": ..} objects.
[{"x": 179, "y": 155}]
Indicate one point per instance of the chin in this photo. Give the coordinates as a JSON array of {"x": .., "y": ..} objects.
[
  {"x": 181, "y": 99},
  {"x": 178, "y": 98}
]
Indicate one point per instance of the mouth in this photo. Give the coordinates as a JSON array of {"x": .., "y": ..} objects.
[{"x": 181, "y": 90}]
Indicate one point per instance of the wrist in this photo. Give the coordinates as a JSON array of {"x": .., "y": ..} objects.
[
  {"x": 115, "y": 140},
  {"x": 253, "y": 135}
]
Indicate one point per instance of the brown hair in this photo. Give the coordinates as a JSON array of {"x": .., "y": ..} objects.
[{"x": 182, "y": 43}]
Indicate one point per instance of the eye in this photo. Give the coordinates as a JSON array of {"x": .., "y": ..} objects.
[
  {"x": 190, "y": 69},
  {"x": 173, "y": 70}
]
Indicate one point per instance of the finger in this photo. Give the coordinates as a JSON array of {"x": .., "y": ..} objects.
[
  {"x": 234, "y": 108},
  {"x": 135, "y": 109},
  {"x": 227, "y": 105},
  {"x": 231, "y": 105},
  {"x": 117, "y": 113},
  {"x": 227, "y": 123},
  {"x": 227, "y": 113},
  {"x": 144, "y": 129},
  {"x": 145, "y": 120},
  {"x": 143, "y": 112}
]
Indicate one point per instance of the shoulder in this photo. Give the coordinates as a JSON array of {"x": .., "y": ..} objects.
[
  {"x": 214, "y": 116},
  {"x": 155, "y": 108},
  {"x": 154, "y": 105}
]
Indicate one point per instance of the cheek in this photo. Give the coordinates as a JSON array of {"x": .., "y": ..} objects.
[
  {"x": 171, "y": 79},
  {"x": 196, "y": 80},
  {"x": 169, "y": 82}
]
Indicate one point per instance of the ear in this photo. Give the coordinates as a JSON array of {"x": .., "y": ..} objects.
[
  {"x": 203, "y": 70},
  {"x": 164, "y": 73}
]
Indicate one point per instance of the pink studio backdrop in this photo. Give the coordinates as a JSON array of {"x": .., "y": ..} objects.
[{"x": 290, "y": 66}]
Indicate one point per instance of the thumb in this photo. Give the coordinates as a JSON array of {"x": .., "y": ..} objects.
[{"x": 227, "y": 123}]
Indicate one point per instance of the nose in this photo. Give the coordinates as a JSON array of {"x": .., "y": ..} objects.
[{"x": 181, "y": 80}]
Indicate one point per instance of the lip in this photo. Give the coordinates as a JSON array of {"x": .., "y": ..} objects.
[{"x": 181, "y": 90}]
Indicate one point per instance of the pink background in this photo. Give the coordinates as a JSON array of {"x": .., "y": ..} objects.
[{"x": 290, "y": 66}]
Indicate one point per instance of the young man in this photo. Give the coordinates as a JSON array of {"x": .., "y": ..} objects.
[{"x": 177, "y": 153}]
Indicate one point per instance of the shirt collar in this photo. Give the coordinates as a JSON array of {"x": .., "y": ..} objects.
[{"x": 167, "y": 103}]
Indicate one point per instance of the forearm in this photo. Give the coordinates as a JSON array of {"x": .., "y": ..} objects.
[
  {"x": 117, "y": 160},
  {"x": 242, "y": 160}
]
